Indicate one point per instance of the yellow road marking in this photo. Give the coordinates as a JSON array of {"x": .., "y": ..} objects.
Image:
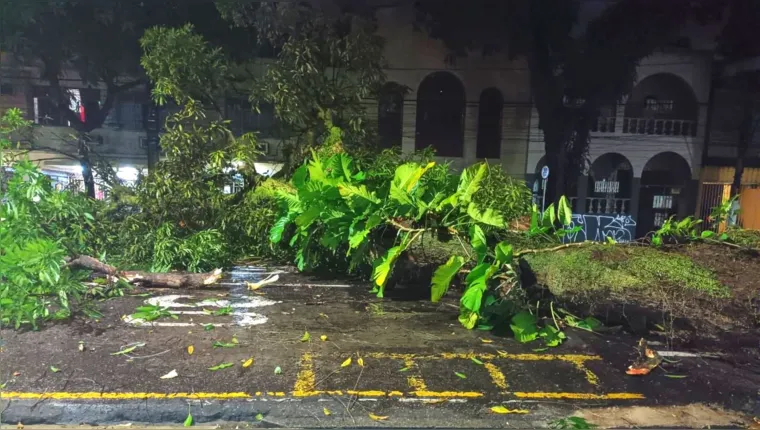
[
  {"x": 572, "y": 358},
  {"x": 497, "y": 376},
  {"x": 92, "y": 395},
  {"x": 305, "y": 380},
  {"x": 17, "y": 395},
  {"x": 580, "y": 396},
  {"x": 414, "y": 381}
]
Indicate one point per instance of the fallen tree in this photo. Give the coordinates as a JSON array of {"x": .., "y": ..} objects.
[{"x": 181, "y": 280}]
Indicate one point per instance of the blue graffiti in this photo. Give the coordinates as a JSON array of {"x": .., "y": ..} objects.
[{"x": 621, "y": 228}]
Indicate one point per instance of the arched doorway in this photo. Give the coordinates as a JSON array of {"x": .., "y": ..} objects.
[
  {"x": 663, "y": 190},
  {"x": 609, "y": 185},
  {"x": 490, "y": 109},
  {"x": 440, "y": 115},
  {"x": 390, "y": 115},
  {"x": 661, "y": 104}
]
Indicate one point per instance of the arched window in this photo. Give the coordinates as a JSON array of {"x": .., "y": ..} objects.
[
  {"x": 440, "y": 115},
  {"x": 489, "y": 124},
  {"x": 390, "y": 115}
]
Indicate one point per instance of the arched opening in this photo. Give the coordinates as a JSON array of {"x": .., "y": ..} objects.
[
  {"x": 661, "y": 104},
  {"x": 440, "y": 115},
  {"x": 489, "y": 124},
  {"x": 663, "y": 186},
  {"x": 390, "y": 115},
  {"x": 609, "y": 185}
]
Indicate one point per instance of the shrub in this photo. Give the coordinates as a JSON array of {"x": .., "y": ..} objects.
[{"x": 504, "y": 194}]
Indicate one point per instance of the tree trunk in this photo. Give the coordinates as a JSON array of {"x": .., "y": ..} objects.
[
  {"x": 168, "y": 280},
  {"x": 84, "y": 161}
]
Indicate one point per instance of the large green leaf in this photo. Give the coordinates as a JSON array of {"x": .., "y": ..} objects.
[
  {"x": 504, "y": 253},
  {"x": 564, "y": 212},
  {"x": 443, "y": 276},
  {"x": 275, "y": 234},
  {"x": 316, "y": 169},
  {"x": 470, "y": 183},
  {"x": 308, "y": 216},
  {"x": 489, "y": 216},
  {"x": 384, "y": 267},
  {"x": 405, "y": 179},
  {"x": 524, "y": 327},
  {"x": 478, "y": 242},
  {"x": 360, "y": 191}
]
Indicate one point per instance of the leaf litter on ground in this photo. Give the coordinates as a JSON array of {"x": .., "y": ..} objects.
[
  {"x": 171, "y": 375},
  {"x": 461, "y": 375},
  {"x": 126, "y": 349},
  {"x": 306, "y": 337},
  {"x": 505, "y": 410},
  {"x": 220, "y": 366}
]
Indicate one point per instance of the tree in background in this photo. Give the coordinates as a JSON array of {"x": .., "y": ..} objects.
[
  {"x": 326, "y": 63},
  {"x": 579, "y": 59},
  {"x": 99, "y": 40},
  {"x": 738, "y": 42}
]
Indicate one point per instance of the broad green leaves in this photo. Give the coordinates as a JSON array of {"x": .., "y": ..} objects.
[{"x": 443, "y": 276}]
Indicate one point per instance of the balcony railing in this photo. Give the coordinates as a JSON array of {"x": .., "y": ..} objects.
[
  {"x": 604, "y": 205},
  {"x": 660, "y": 127},
  {"x": 604, "y": 124}
]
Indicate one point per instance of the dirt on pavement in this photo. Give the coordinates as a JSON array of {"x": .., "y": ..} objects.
[{"x": 411, "y": 361}]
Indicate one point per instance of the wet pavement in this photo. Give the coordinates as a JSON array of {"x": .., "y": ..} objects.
[{"x": 410, "y": 361}]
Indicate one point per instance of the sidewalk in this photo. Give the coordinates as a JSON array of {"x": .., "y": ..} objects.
[{"x": 420, "y": 368}]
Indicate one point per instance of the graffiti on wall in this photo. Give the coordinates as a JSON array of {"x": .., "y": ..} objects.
[{"x": 598, "y": 228}]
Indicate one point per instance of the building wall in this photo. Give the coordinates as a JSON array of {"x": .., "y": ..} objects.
[
  {"x": 411, "y": 56},
  {"x": 695, "y": 70}
]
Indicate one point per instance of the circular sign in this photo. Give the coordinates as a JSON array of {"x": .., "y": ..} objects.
[{"x": 544, "y": 172}]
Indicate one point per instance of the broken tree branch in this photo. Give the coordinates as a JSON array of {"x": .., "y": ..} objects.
[{"x": 166, "y": 280}]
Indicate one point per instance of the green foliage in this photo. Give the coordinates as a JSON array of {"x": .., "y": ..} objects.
[
  {"x": 39, "y": 227},
  {"x": 504, "y": 194},
  {"x": 571, "y": 423},
  {"x": 443, "y": 276},
  {"x": 685, "y": 229},
  {"x": 326, "y": 66},
  {"x": 152, "y": 313}
]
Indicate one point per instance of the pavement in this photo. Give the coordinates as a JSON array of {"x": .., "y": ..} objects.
[{"x": 411, "y": 365}]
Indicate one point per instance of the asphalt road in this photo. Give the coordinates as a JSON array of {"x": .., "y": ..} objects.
[{"x": 411, "y": 365}]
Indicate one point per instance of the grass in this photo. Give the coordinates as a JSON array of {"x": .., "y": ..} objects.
[{"x": 597, "y": 269}]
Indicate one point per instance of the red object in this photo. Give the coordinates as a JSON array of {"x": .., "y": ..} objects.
[{"x": 82, "y": 116}]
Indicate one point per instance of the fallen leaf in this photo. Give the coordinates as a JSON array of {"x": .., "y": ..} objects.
[
  {"x": 377, "y": 417},
  {"x": 170, "y": 375},
  {"x": 248, "y": 362},
  {"x": 218, "y": 344},
  {"x": 190, "y": 349},
  {"x": 476, "y": 361},
  {"x": 461, "y": 375},
  {"x": 188, "y": 420},
  {"x": 277, "y": 370},
  {"x": 403, "y": 369},
  {"x": 220, "y": 366},
  {"x": 360, "y": 361},
  {"x": 81, "y": 347},
  {"x": 673, "y": 376},
  {"x": 486, "y": 340},
  {"x": 346, "y": 363},
  {"x": 323, "y": 337},
  {"x": 54, "y": 369},
  {"x": 208, "y": 327},
  {"x": 259, "y": 417},
  {"x": 19, "y": 425},
  {"x": 504, "y": 410},
  {"x": 323, "y": 315},
  {"x": 16, "y": 373},
  {"x": 234, "y": 340},
  {"x": 306, "y": 336},
  {"x": 327, "y": 412},
  {"x": 540, "y": 349},
  {"x": 127, "y": 350}
]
